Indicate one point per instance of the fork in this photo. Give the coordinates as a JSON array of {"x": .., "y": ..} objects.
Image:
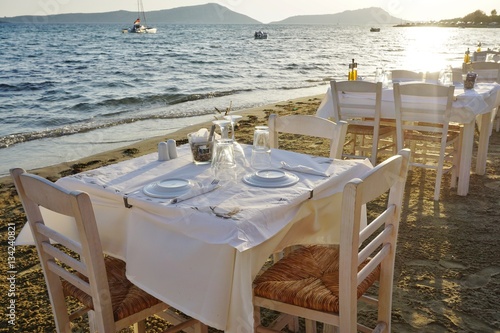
[{"x": 213, "y": 186}]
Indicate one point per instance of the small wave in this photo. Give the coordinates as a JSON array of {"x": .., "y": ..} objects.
[
  {"x": 26, "y": 86},
  {"x": 13, "y": 139}
]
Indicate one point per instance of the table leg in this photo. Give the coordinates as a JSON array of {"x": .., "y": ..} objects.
[
  {"x": 484, "y": 140},
  {"x": 466, "y": 158}
]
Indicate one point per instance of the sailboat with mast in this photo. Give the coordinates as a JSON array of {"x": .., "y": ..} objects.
[{"x": 140, "y": 25}]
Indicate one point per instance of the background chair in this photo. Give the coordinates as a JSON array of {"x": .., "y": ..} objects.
[
  {"x": 432, "y": 77},
  {"x": 489, "y": 72},
  {"x": 98, "y": 282},
  {"x": 310, "y": 126},
  {"x": 402, "y": 75},
  {"x": 324, "y": 282},
  {"x": 486, "y": 71},
  {"x": 366, "y": 134},
  {"x": 483, "y": 55},
  {"x": 423, "y": 123}
]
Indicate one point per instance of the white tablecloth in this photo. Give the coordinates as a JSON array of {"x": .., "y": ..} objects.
[
  {"x": 467, "y": 106},
  {"x": 201, "y": 255}
]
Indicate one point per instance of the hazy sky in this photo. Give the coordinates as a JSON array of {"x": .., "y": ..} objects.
[{"x": 261, "y": 10}]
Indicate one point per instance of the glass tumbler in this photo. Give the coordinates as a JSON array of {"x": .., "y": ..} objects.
[
  {"x": 261, "y": 149},
  {"x": 223, "y": 161}
]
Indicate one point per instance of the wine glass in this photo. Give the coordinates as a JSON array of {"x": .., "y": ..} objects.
[
  {"x": 234, "y": 120},
  {"x": 223, "y": 126}
]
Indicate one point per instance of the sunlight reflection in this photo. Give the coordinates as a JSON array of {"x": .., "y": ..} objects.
[{"x": 424, "y": 51}]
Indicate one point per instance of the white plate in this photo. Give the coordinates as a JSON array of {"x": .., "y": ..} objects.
[
  {"x": 288, "y": 179},
  {"x": 270, "y": 175},
  {"x": 168, "y": 188}
]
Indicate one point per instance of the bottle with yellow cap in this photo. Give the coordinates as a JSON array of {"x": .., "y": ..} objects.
[{"x": 467, "y": 56}]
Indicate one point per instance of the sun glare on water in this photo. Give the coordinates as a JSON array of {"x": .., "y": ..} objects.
[{"x": 425, "y": 48}]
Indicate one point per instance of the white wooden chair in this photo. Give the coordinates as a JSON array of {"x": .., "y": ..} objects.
[
  {"x": 432, "y": 77},
  {"x": 423, "y": 113},
  {"x": 489, "y": 72},
  {"x": 486, "y": 71},
  {"x": 403, "y": 75},
  {"x": 324, "y": 282},
  {"x": 483, "y": 55},
  {"x": 310, "y": 126},
  {"x": 99, "y": 283},
  {"x": 367, "y": 137}
]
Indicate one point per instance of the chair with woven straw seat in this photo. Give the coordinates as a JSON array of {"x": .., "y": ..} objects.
[
  {"x": 309, "y": 126},
  {"x": 98, "y": 282},
  {"x": 423, "y": 114},
  {"x": 367, "y": 137},
  {"x": 323, "y": 283}
]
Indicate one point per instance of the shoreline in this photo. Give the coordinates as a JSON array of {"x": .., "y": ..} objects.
[{"x": 148, "y": 145}]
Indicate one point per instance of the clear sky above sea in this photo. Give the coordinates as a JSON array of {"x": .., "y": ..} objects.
[{"x": 262, "y": 10}]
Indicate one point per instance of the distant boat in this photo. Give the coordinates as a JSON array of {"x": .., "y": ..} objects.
[
  {"x": 260, "y": 35},
  {"x": 140, "y": 26},
  {"x": 374, "y": 29}
]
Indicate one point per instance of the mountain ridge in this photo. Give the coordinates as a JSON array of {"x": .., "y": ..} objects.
[{"x": 211, "y": 13}]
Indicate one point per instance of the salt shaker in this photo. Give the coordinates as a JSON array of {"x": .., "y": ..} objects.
[
  {"x": 172, "y": 149},
  {"x": 163, "y": 152}
]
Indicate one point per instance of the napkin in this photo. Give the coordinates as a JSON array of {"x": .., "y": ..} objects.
[
  {"x": 196, "y": 192},
  {"x": 303, "y": 169}
]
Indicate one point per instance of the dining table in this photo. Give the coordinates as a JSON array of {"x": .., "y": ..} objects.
[
  {"x": 200, "y": 254},
  {"x": 468, "y": 106}
]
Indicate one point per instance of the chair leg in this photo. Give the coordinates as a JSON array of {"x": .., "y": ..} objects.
[
  {"x": 140, "y": 327},
  {"x": 310, "y": 326},
  {"x": 199, "y": 327},
  {"x": 92, "y": 325},
  {"x": 330, "y": 329}
]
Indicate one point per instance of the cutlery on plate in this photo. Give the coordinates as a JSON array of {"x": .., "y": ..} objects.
[{"x": 198, "y": 191}]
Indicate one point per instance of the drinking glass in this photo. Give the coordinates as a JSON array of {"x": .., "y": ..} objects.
[
  {"x": 447, "y": 76},
  {"x": 233, "y": 119},
  {"x": 387, "y": 79},
  {"x": 261, "y": 149},
  {"x": 223, "y": 161},
  {"x": 379, "y": 74},
  {"x": 224, "y": 128}
]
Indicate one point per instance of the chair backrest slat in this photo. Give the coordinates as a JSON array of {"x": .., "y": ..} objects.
[
  {"x": 375, "y": 261},
  {"x": 377, "y": 223},
  {"x": 65, "y": 258},
  {"x": 71, "y": 278},
  {"x": 59, "y": 238},
  {"x": 373, "y": 245},
  {"x": 310, "y": 126}
]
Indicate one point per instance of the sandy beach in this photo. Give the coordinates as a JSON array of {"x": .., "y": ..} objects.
[{"x": 447, "y": 275}]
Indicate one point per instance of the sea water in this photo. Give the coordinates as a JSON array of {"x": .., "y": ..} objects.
[{"x": 72, "y": 90}]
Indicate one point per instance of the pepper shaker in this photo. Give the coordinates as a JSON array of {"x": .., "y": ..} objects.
[
  {"x": 172, "y": 149},
  {"x": 163, "y": 152}
]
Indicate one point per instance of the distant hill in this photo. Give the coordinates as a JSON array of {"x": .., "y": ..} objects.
[
  {"x": 203, "y": 14},
  {"x": 372, "y": 16},
  {"x": 212, "y": 14}
]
